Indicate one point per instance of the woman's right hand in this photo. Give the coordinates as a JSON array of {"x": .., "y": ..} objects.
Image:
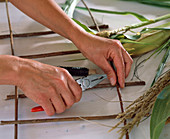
[{"x": 51, "y": 87}]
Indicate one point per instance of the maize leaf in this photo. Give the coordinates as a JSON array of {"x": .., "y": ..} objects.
[
  {"x": 161, "y": 3},
  {"x": 140, "y": 17},
  {"x": 69, "y": 7},
  {"x": 162, "y": 63},
  {"x": 155, "y": 38},
  {"x": 160, "y": 113}
]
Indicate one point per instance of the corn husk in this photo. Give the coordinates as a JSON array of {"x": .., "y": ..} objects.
[{"x": 153, "y": 39}]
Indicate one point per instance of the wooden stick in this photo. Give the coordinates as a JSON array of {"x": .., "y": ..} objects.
[
  {"x": 16, "y": 113},
  {"x": 103, "y": 26},
  {"x": 106, "y": 85},
  {"x": 41, "y": 33},
  {"x": 51, "y": 54},
  {"x": 16, "y": 90},
  {"x": 121, "y": 106},
  {"x": 10, "y": 29},
  {"x": 31, "y": 34},
  {"x": 94, "y": 21},
  {"x": 32, "y": 121}
]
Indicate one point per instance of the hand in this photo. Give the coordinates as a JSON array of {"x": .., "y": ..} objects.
[
  {"x": 51, "y": 87},
  {"x": 101, "y": 50}
]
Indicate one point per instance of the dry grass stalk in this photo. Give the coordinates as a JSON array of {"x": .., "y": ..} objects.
[{"x": 141, "y": 106}]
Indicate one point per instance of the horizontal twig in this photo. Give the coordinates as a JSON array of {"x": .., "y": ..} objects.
[
  {"x": 41, "y": 33},
  {"x": 136, "y": 83},
  {"x": 50, "y": 54},
  {"x": 103, "y": 26},
  {"x": 31, "y": 34},
  {"x": 32, "y": 121}
]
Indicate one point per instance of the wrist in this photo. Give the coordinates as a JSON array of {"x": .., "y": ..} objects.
[
  {"x": 9, "y": 70},
  {"x": 79, "y": 37}
]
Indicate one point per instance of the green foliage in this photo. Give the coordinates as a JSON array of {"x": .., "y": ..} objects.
[
  {"x": 69, "y": 7},
  {"x": 161, "y": 3},
  {"x": 140, "y": 17},
  {"x": 163, "y": 61},
  {"x": 85, "y": 27},
  {"x": 160, "y": 113}
]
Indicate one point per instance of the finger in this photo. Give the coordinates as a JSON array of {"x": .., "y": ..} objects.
[
  {"x": 48, "y": 107},
  {"x": 106, "y": 67},
  {"x": 120, "y": 67},
  {"x": 128, "y": 62},
  {"x": 74, "y": 88},
  {"x": 66, "y": 95},
  {"x": 58, "y": 103}
]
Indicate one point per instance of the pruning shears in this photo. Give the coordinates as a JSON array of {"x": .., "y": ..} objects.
[{"x": 84, "y": 82}]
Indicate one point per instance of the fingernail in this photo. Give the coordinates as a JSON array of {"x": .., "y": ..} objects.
[{"x": 112, "y": 81}]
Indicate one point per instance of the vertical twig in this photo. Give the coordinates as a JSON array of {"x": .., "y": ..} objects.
[
  {"x": 121, "y": 106},
  {"x": 119, "y": 95},
  {"x": 10, "y": 29},
  {"x": 16, "y": 89},
  {"x": 94, "y": 21},
  {"x": 16, "y": 113}
]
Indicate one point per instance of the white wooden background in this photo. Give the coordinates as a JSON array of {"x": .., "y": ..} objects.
[{"x": 90, "y": 104}]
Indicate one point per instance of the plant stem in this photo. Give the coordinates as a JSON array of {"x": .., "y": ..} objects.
[
  {"x": 94, "y": 21},
  {"x": 133, "y": 26}
]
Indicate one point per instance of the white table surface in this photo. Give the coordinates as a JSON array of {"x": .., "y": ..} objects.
[{"x": 90, "y": 103}]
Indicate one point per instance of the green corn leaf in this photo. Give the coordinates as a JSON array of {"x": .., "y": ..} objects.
[
  {"x": 162, "y": 63},
  {"x": 69, "y": 7},
  {"x": 140, "y": 17},
  {"x": 117, "y": 36},
  {"x": 160, "y": 113},
  {"x": 85, "y": 27},
  {"x": 135, "y": 42},
  {"x": 149, "y": 29},
  {"x": 161, "y": 3},
  {"x": 132, "y": 37}
]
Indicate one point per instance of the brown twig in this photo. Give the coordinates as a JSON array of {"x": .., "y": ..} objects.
[
  {"x": 16, "y": 113},
  {"x": 31, "y": 34},
  {"x": 121, "y": 106},
  {"x": 58, "y": 119},
  {"x": 41, "y": 33},
  {"x": 94, "y": 21},
  {"x": 137, "y": 83},
  {"x": 16, "y": 90},
  {"x": 10, "y": 29},
  {"x": 51, "y": 54},
  {"x": 103, "y": 26}
]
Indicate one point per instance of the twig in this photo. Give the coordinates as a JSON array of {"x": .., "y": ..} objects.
[
  {"x": 94, "y": 21},
  {"x": 41, "y": 33},
  {"x": 9, "y": 97},
  {"x": 58, "y": 120},
  {"x": 51, "y": 54},
  {"x": 16, "y": 90},
  {"x": 31, "y": 34},
  {"x": 16, "y": 113},
  {"x": 121, "y": 106},
  {"x": 103, "y": 26},
  {"x": 10, "y": 29}
]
